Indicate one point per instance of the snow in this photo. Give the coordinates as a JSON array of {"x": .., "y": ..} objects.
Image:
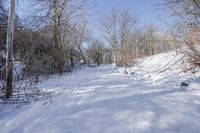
[{"x": 105, "y": 100}]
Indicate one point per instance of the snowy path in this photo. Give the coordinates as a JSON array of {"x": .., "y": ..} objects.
[{"x": 100, "y": 100}]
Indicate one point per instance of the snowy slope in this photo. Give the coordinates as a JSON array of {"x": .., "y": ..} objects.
[
  {"x": 103, "y": 100},
  {"x": 163, "y": 68}
]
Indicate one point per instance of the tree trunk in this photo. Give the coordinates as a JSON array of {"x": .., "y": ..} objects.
[
  {"x": 82, "y": 55},
  {"x": 115, "y": 55},
  {"x": 137, "y": 51},
  {"x": 59, "y": 54},
  {"x": 71, "y": 59},
  {"x": 9, "y": 54}
]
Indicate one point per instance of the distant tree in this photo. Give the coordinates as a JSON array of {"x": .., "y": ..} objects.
[
  {"x": 95, "y": 51},
  {"x": 109, "y": 28},
  {"x": 150, "y": 37},
  {"x": 147, "y": 41},
  {"x": 77, "y": 35},
  {"x": 117, "y": 28}
]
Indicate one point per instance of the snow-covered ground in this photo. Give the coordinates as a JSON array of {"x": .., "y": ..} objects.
[{"x": 105, "y": 100}]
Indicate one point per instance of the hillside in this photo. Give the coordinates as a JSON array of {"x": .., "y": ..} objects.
[{"x": 165, "y": 68}]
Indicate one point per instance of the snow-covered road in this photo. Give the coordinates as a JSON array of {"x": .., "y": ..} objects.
[{"x": 101, "y": 100}]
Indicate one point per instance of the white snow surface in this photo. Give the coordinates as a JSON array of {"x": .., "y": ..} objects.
[{"x": 105, "y": 100}]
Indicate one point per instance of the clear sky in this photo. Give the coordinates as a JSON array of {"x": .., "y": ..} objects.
[{"x": 145, "y": 10}]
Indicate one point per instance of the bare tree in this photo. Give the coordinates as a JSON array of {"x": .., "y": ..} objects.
[
  {"x": 117, "y": 28},
  {"x": 126, "y": 25},
  {"x": 95, "y": 51},
  {"x": 109, "y": 28},
  {"x": 3, "y": 28},
  {"x": 147, "y": 41},
  {"x": 187, "y": 15},
  {"x": 57, "y": 15},
  {"x": 9, "y": 47},
  {"x": 150, "y": 39},
  {"x": 77, "y": 36}
]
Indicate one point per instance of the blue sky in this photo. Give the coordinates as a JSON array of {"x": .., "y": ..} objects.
[{"x": 144, "y": 10}]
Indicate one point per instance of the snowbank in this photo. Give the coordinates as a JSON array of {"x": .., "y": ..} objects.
[{"x": 164, "y": 67}]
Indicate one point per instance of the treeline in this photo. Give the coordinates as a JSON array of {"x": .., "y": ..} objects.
[
  {"x": 48, "y": 41},
  {"x": 128, "y": 41}
]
